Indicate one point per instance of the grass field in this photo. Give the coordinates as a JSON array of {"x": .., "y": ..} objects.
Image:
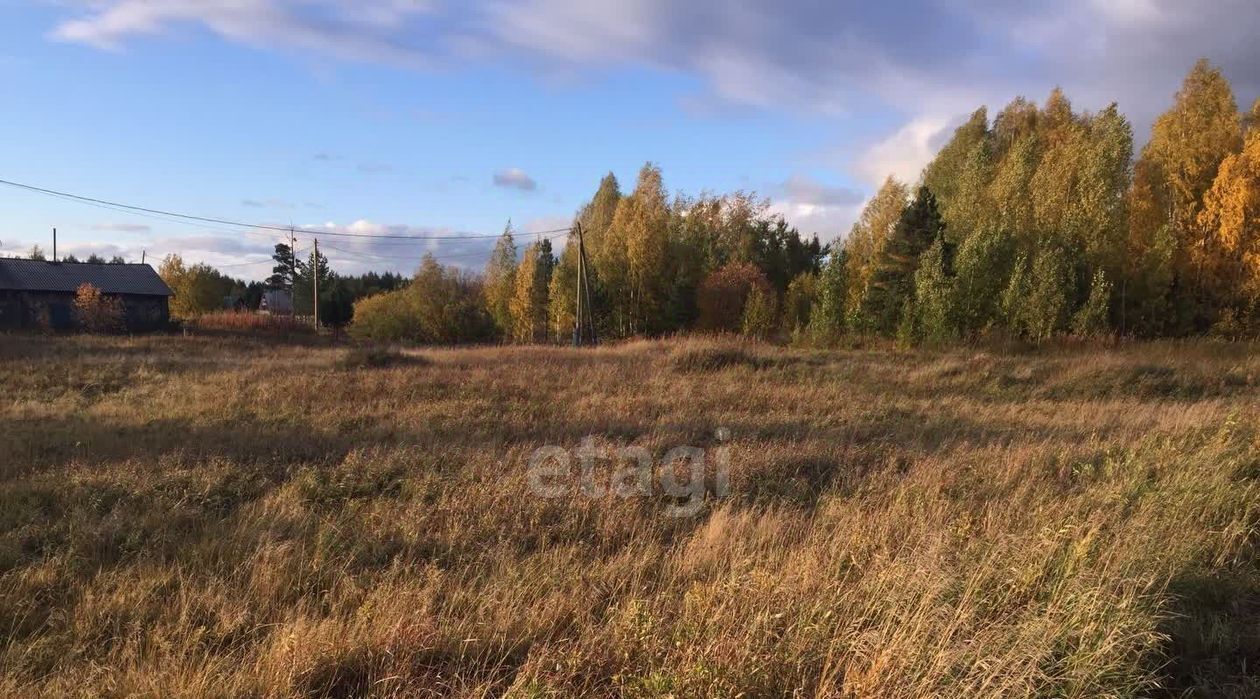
[{"x": 209, "y": 517}]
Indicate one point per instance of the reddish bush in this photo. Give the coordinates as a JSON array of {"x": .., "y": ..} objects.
[{"x": 724, "y": 293}]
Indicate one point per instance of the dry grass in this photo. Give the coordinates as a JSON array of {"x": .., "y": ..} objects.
[
  {"x": 193, "y": 517},
  {"x": 252, "y": 324},
  {"x": 372, "y": 357}
]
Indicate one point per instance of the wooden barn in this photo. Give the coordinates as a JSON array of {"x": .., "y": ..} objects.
[{"x": 37, "y": 293}]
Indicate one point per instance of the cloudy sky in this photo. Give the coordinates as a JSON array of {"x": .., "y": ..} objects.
[{"x": 448, "y": 118}]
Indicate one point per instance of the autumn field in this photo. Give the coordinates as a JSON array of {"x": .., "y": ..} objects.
[{"x": 211, "y": 517}]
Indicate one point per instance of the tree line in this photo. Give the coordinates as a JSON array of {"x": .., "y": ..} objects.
[
  {"x": 200, "y": 288},
  {"x": 1036, "y": 223},
  {"x": 657, "y": 265},
  {"x": 1042, "y": 222}
]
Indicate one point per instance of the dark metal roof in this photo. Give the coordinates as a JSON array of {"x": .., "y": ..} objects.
[{"x": 38, "y": 275}]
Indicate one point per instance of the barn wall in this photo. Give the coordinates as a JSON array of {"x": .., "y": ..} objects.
[
  {"x": 40, "y": 309},
  {"x": 11, "y": 314},
  {"x": 55, "y": 311},
  {"x": 145, "y": 313}
]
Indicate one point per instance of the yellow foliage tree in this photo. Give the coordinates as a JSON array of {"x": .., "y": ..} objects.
[
  {"x": 500, "y": 280},
  {"x": 866, "y": 240},
  {"x": 96, "y": 311},
  {"x": 561, "y": 292},
  {"x": 642, "y": 222},
  {"x": 197, "y": 288},
  {"x": 528, "y": 304},
  {"x": 1231, "y": 223},
  {"x": 1188, "y": 144}
]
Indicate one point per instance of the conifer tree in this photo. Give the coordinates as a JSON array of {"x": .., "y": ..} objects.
[
  {"x": 286, "y": 270},
  {"x": 304, "y": 284},
  {"x": 891, "y": 285}
]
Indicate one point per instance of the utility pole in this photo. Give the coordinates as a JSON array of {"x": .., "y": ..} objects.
[
  {"x": 315, "y": 281},
  {"x": 292, "y": 274},
  {"x": 586, "y": 288},
  {"x": 577, "y": 317},
  {"x": 54, "y": 245},
  {"x": 584, "y": 325},
  {"x": 143, "y": 253}
]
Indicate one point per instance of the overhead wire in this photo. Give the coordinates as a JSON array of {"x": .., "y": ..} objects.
[
  {"x": 214, "y": 224},
  {"x": 228, "y": 222}
]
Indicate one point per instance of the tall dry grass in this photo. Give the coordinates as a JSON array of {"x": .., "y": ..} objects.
[
  {"x": 255, "y": 325},
  {"x": 193, "y": 517}
]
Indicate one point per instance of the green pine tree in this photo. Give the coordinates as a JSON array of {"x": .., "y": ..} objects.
[{"x": 893, "y": 281}]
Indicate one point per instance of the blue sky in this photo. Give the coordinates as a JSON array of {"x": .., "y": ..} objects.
[{"x": 422, "y": 116}]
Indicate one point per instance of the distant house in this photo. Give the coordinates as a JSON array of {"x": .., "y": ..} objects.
[
  {"x": 35, "y": 293},
  {"x": 276, "y": 302}
]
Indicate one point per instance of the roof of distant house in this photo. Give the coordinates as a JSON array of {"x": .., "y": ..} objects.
[{"x": 41, "y": 275}]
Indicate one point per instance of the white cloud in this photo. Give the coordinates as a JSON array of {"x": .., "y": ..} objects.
[
  {"x": 808, "y": 191},
  {"x": 815, "y": 208},
  {"x": 827, "y": 222},
  {"x": 904, "y": 153},
  {"x": 515, "y": 178},
  {"x": 349, "y": 251},
  {"x": 364, "y": 30},
  {"x": 547, "y": 223}
]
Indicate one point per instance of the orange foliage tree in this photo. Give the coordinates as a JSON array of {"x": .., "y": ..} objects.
[
  {"x": 724, "y": 293},
  {"x": 96, "y": 311}
]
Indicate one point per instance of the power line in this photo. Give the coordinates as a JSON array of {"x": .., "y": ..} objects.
[
  {"x": 228, "y": 222},
  {"x": 166, "y": 219}
]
